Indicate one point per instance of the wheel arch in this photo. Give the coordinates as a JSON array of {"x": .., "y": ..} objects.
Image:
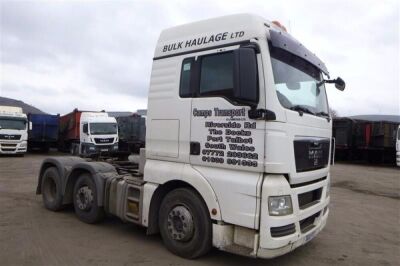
[
  {"x": 98, "y": 171},
  {"x": 188, "y": 177},
  {"x": 63, "y": 164}
]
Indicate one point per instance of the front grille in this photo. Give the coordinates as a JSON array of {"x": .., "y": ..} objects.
[
  {"x": 8, "y": 149},
  {"x": 309, "y": 198},
  {"x": 283, "y": 230},
  {"x": 311, "y": 154},
  {"x": 308, "y": 223},
  {"x": 10, "y": 137},
  {"x": 8, "y": 145},
  {"x": 103, "y": 140}
]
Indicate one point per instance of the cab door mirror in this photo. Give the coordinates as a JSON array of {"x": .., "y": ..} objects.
[
  {"x": 340, "y": 84},
  {"x": 85, "y": 129},
  {"x": 30, "y": 125},
  {"x": 246, "y": 76}
]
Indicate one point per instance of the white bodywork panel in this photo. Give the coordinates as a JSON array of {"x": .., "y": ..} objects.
[{"x": 165, "y": 138}]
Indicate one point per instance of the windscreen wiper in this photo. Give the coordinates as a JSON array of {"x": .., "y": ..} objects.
[
  {"x": 324, "y": 114},
  {"x": 301, "y": 110}
]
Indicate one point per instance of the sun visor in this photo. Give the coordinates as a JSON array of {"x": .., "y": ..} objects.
[{"x": 286, "y": 42}]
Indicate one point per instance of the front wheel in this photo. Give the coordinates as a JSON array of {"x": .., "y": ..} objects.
[
  {"x": 85, "y": 200},
  {"x": 185, "y": 223}
]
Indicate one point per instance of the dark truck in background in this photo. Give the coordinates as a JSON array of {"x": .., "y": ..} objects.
[
  {"x": 44, "y": 132},
  {"x": 131, "y": 133},
  {"x": 365, "y": 140}
]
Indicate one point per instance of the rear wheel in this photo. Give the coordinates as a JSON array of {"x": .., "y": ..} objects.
[
  {"x": 185, "y": 223},
  {"x": 85, "y": 200},
  {"x": 51, "y": 189},
  {"x": 74, "y": 149}
]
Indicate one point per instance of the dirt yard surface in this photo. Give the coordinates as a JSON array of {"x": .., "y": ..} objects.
[{"x": 363, "y": 227}]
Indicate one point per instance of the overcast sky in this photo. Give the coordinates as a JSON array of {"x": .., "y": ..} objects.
[{"x": 97, "y": 55}]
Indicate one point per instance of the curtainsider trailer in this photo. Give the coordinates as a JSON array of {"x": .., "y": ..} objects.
[
  {"x": 238, "y": 140},
  {"x": 85, "y": 133},
  {"x": 44, "y": 132}
]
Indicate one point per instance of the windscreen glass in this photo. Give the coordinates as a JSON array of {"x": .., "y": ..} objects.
[
  {"x": 298, "y": 83},
  {"x": 12, "y": 123},
  {"x": 103, "y": 128}
]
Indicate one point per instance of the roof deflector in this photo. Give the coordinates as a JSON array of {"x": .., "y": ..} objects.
[{"x": 286, "y": 42}]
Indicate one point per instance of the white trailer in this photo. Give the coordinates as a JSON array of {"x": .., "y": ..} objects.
[
  {"x": 13, "y": 130},
  {"x": 237, "y": 145}
]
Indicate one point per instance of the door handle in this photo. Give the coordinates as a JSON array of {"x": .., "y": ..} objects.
[{"x": 194, "y": 148}]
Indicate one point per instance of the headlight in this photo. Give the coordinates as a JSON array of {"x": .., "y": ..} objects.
[
  {"x": 115, "y": 147},
  {"x": 280, "y": 205},
  {"x": 23, "y": 145},
  {"x": 92, "y": 148}
]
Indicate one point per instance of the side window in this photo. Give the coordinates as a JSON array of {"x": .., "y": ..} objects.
[
  {"x": 216, "y": 74},
  {"x": 208, "y": 75},
  {"x": 185, "y": 89}
]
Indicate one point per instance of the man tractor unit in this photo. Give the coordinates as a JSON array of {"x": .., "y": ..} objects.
[
  {"x": 14, "y": 127},
  {"x": 238, "y": 141},
  {"x": 86, "y": 133}
]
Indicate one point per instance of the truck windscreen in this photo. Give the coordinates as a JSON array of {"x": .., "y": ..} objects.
[
  {"x": 298, "y": 83},
  {"x": 12, "y": 123},
  {"x": 103, "y": 128}
]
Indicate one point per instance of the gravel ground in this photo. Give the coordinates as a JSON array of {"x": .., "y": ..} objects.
[{"x": 363, "y": 227}]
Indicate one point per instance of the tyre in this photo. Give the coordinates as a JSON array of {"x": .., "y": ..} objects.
[
  {"x": 74, "y": 149},
  {"x": 185, "y": 223},
  {"x": 85, "y": 200},
  {"x": 51, "y": 189}
]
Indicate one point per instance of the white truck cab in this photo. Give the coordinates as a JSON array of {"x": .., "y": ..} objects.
[
  {"x": 13, "y": 130},
  {"x": 98, "y": 133},
  {"x": 238, "y": 141}
]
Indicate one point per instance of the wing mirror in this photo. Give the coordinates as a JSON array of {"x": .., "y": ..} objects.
[
  {"x": 246, "y": 76},
  {"x": 340, "y": 84},
  {"x": 85, "y": 129}
]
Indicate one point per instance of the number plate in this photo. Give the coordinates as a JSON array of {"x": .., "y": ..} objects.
[
  {"x": 310, "y": 236},
  {"x": 104, "y": 149}
]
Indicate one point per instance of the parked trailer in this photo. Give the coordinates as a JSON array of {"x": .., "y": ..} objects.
[
  {"x": 372, "y": 141},
  {"x": 131, "y": 133},
  {"x": 233, "y": 157},
  {"x": 343, "y": 132},
  {"x": 44, "y": 132},
  {"x": 86, "y": 133}
]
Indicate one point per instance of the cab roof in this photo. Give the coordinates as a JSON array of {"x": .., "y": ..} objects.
[{"x": 228, "y": 30}]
